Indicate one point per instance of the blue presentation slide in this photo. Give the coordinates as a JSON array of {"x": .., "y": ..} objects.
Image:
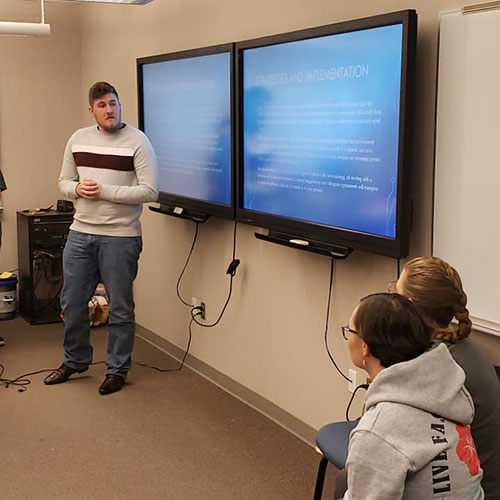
[
  {"x": 187, "y": 117},
  {"x": 321, "y": 129}
]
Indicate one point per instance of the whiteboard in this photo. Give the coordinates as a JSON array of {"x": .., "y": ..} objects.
[{"x": 466, "y": 229}]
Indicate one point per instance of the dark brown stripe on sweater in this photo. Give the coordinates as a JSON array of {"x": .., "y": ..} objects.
[{"x": 111, "y": 162}]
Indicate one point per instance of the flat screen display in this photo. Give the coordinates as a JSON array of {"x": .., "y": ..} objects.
[
  {"x": 321, "y": 123},
  {"x": 321, "y": 131},
  {"x": 187, "y": 114}
]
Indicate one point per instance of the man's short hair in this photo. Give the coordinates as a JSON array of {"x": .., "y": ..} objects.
[{"x": 100, "y": 89}]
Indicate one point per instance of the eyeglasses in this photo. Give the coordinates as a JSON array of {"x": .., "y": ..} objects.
[
  {"x": 346, "y": 331},
  {"x": 392, "y": 287}
]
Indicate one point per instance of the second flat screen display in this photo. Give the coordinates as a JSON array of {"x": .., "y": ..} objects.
[{"x": 321, "y": 129}]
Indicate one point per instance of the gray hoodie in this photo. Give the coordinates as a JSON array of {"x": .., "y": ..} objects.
[{"x": 414, "y": 441}]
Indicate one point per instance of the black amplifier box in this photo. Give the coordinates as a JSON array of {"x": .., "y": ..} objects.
[
  {"x": 46, "y": 229},
  {"x": 49, "y": 233},
  {"x": 40, "y": 240}
]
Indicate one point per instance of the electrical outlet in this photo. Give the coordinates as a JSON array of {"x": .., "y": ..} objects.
[
  {"x": 353, "y": 376},
  {"x": 201, "y": 305}
]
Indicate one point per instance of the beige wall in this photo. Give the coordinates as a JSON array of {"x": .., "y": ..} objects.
[
  {"x": 271, "y": 338},
  {"x": 40, "y": 106}
]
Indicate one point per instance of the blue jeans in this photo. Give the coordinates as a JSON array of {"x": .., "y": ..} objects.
[{"x": 88, "y": 260}]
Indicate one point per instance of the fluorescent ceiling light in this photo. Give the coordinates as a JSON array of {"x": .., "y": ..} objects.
[
  {"x": 130, "y": 2},
  {"x": 38, "y": 29},
  {"x": 24, "y": 29}
]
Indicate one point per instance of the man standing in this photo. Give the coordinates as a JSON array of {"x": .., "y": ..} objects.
[{"x": 110, "y": 169}]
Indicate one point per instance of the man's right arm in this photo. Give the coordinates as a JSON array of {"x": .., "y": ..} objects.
[{"x": 69, "y": 178}]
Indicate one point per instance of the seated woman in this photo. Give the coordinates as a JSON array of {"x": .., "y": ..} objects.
[
  {"x": 414, "y": 441},
  {"x": 436, "y": 290}
]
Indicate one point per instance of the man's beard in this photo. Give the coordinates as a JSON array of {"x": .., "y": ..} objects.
[{"x": 112, "y": 128}]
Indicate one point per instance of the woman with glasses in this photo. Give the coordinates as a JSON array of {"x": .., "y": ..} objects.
[
  {"x": 414, "y": 441},
  {"x": 436, "y": 290}
]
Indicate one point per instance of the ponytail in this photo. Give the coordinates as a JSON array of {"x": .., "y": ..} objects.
[
  {"x": 436, "y": 289},
  {"x": 464, "y": 323}
]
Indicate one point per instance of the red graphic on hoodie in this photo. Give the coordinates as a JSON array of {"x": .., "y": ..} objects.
[{"x": 466, "y": 449}]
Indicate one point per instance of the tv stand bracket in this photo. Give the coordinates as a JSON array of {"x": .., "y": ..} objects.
[
  {"x": 180, "y": 213},
  {"x": 314, "y": 246}
]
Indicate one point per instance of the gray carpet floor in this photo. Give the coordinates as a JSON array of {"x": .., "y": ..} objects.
[{"x": 164, "y": 436}]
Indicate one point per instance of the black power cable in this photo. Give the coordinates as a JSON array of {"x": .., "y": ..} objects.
[
  {"x": 165, "y": 370},
  {"x": 326, "y": 324},
  {"x": 231, "y": 271},
  {"x": 362, "y": 386},
  {"x": 22, "y": 381},
  {"x": 197, "y": 224}
]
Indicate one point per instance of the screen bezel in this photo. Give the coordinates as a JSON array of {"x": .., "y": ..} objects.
[
  {"x": 175, "y": 200},
  {"x": 393, "y": 247}
]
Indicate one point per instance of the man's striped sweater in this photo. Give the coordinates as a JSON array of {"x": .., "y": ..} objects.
[{"x": 124, "y": 164}]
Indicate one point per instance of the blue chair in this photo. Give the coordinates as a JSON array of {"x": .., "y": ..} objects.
[{"x": 333, "y": 442}]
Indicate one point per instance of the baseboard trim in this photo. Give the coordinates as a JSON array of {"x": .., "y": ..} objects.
[{"x": 284, "y": 419}]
